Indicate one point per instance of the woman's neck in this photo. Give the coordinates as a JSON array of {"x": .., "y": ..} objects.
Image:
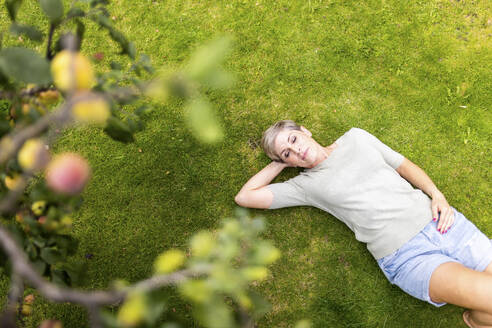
[{"x": 324, "y": 153}]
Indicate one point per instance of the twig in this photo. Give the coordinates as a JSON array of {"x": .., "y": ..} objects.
[
  {"x": 49, "y": 55},
  {"x": 246, "y": 320},
  {"x": 23, "y": 268},
  {"x": 94, "y": 317},
  {"x": 31, "y": 92},
  {"x": 14, "y": 297}
]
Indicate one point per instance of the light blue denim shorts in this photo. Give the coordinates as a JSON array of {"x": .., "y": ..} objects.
[{"x": 410, "y": 267}]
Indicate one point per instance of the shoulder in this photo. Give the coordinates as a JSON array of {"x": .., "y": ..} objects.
[
  {"x": 360, "y": 133},
  {"x": 354, "y": 133},
  {"x": 355, "y": 130}
]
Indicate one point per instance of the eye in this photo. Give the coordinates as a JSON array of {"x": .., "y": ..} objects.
[
  {"x": 286, "y": 154},
  {"x": 294, "y": 139}
]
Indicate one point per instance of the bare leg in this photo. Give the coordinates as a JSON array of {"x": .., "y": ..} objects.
[
  {"x": 478, "y": 318},
  {"x": 456, "y": 284}
]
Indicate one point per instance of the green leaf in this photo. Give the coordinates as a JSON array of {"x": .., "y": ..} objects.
[
  {"x": 76, "y": 271},
  {"x": 39, "y": 241},
  {"x": 79, "y": 32},
  {"x": 155, "y": 308},
  {"x": 30, "y": 31},
  {"x": 142, "y": 110},
  {"x": 218, "y": 79},
  {"x": 4, "y": 128},
  {"x": 102, "y": 20},
  {"x": 66, "y": 244},
  {"x": 126, "y": 46},
  {"x": 13, "y": 7},
  {"x": 130, "y": 50},
  {"x": 109, "y": 319},
  {"x": 60, "y": 277},
  {"x": 40, "y": 266},
  {"x": 50, "y": 255},
  {"x": 16, "y": 233},
  {"x": 117, "y": 36},
  {"x": 25, "y": 65},
  {"x": 260, "y": 304},
  {"x": 76, "y": 202},
  {"x": 97, "y": 2},
  {"x": 215, "y": 314},
  {"x": 75, "y": 12},
  {"x": 208, "y": 58},
  {"x": 170, "y": 325},
  {"x": 32, "y": 251},
  {"x": 118, "y": 130},
  {"x": 145, "y": 63},
  {"x": 135, "y": 125},
  {"x": 53, "y": 9},
  {"x": 305, "y": 323},
  {"x": 116, "y": 66},
  {"x": 202, "y": 121},
  {"x": 3, "y": 258}
]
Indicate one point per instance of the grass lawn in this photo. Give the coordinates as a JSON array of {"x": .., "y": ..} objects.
[{"x": 417, "y": 74}]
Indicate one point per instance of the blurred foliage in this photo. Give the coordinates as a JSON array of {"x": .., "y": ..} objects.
[
  {"x": 232, "y": 259},
  {"x": 35, "y": 85}
]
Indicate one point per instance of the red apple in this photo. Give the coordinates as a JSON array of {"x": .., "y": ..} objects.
[{"x": 68, "y": 173}]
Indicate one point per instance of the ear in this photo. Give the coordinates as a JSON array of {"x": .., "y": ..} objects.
[{"x": 306, "y": 131}]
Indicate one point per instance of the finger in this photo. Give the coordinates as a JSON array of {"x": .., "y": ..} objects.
[
  {"x": 445, "y": 225},
  {"x": 442, "y": 219},
  {"x": 450, "y": 221},
  {"x": 435, "y": 215},
  {"x": 445, "y": 213}
]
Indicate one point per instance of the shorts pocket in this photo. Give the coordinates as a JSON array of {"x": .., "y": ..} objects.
[
  {"x": 433, "y": 236},
  {"x": 388, "y": 264}
]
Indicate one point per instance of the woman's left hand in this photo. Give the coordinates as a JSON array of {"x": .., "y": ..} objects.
[{"x": 443, "y": 212}]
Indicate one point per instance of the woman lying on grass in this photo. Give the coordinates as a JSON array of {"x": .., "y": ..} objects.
[{"x": 423, "y": 245}]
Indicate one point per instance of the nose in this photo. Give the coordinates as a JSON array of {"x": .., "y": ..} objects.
[{"x": 296, "y": 150}]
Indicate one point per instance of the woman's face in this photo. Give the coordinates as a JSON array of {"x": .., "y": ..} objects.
[{"x": 297, "y": 148}]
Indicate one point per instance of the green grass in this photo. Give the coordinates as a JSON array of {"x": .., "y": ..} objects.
[{"x": 401, "y": 70}]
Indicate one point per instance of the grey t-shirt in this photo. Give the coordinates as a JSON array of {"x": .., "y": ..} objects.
[{"x": 358, "y": 184}]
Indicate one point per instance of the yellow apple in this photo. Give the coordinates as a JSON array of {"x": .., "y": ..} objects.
[
  {"x": 72, "y": 71},
  {"x": 33, "y": 155},
  {"x": 95, "y": 110}
]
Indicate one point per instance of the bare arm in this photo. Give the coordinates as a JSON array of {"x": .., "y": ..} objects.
[
  {"x": 440, "y": 207},
  {"x": 417, "y": 177},
  {"x": 254, "y": 193}
]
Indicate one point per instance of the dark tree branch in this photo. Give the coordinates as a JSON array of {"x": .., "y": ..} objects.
[
  {"x": 94, "y": 317},
  {"x": 49, "y": 55},
  {"x": 32, "y": 92},
  {"x": 14, "y": 297},
  {"x": 22, "y": 267}
]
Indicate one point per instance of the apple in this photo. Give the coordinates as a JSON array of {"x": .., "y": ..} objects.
[
  {"x": 38, "y": 207},
  {"x": 51, "y": 324},
  {"x": 26, "y": 310},
  {"x": 95, "y": 110},
  {"x": 33, "y": 155},
  {"x": 13, "y": 182},
  {"x": 29, "y": 299},
  {"x": 68, "y": 173},
  {"x": 65, "y": 65},
  {"x": 49, "y": 97}
]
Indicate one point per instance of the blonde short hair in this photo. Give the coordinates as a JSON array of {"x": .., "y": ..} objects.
[{"x": 268, "y": 139}]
